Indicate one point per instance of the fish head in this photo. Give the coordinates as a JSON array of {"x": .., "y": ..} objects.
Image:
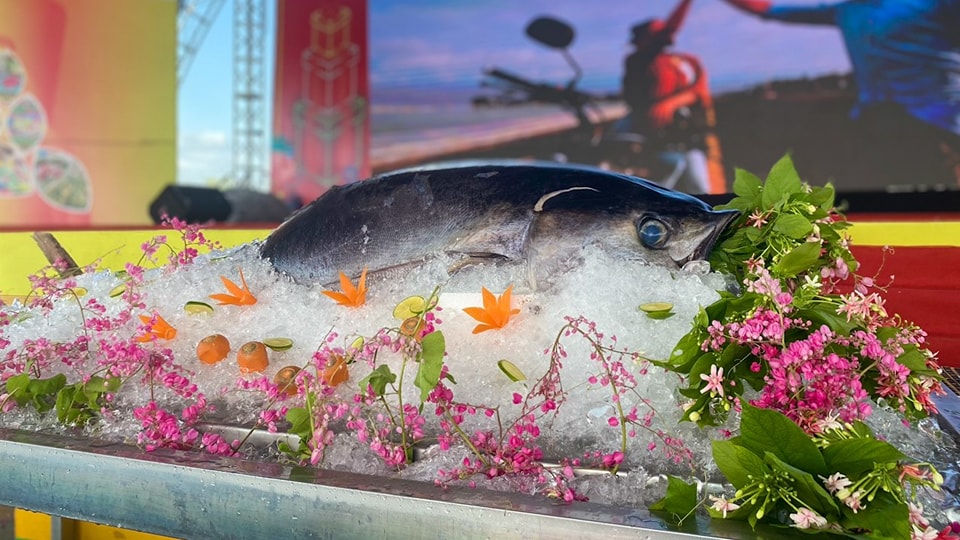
[
  {"x": 679, "y": 237},
  {"x": 630, "y": 217}
]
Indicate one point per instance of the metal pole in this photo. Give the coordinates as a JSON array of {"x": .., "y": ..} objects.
[{"x": 6, "y": 523}]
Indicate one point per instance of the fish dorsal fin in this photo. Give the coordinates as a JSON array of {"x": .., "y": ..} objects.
[{"x": 559, "y": 193}]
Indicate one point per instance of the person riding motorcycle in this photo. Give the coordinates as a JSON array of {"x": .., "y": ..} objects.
[{"x": 671, "y": 106}]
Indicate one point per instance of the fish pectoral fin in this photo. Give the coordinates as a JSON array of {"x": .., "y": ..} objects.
[
  {"x": 471, "y": 260},
  {"x": 501, "y": 239}
]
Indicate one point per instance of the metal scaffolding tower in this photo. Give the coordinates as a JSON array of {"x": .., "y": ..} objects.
[
  {"x": 249, "y": 130},
  {"x": 194, "y": 19}
]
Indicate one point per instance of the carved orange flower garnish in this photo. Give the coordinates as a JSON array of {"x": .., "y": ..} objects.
[
  {"x": 495, "y": 313},
  {"x": 157, "y": 329},
  {"x": 238, "y": 296},
  {"x": 351, "y": 296}
]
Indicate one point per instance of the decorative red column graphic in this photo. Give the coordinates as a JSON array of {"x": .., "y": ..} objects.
[{"x": 321, "y": 108}]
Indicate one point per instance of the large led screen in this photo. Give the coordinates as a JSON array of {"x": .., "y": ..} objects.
[{"x": 864, "y": 94}]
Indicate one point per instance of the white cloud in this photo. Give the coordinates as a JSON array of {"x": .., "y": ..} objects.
[{"x": 202, "y": 156}]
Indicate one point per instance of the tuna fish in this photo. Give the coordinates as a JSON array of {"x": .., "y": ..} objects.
[{"x": 539, "y": 214}]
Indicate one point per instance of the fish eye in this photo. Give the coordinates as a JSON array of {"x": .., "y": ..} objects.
[{"x": 653, "y": 233}]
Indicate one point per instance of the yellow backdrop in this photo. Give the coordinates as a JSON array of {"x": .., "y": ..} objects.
[{"x": 87, "y": 110}]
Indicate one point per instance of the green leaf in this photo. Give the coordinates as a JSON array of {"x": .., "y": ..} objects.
[
  {"x": 782, "y": 182},
  {"x": 69, "y": 409},
  {"x": 763, "y": 430},
  {"x": 737, "y": 463},
  {"x": 752, "y": 236},
  {"x": 886, "y": 333},
  {"x": 838, "y": 323},
  {"x": 684, "y": 354},
  {"x": 18, "y": 384},
  {"x": 701, "y": 366},
  {"x": 737, "y": 306},
  {"x": 378, "y": 379},
  {"x": 793, "y": 226},
  {"x": 738, "y": 244},
  {"x": 915, "y": 361},
  {"x": 715, "y": 311},
  {"x": 431, "y": 363},
  {"x": 680, "y": 499},
  {"x": 808, "y": 488},
  {"x": 855, "y": 456},
  {"x": 800, "y": 259},
  {"x": 299, "y": 419},
  {"x": 747, "y": 185},
  {"x": 883, "y": 517},
  {"x": 822, "y": 197},
  {"x": 48, "y": 386},
  {"x": 96, "y": 384}
]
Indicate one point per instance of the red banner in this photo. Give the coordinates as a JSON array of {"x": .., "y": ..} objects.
[{"x": 321, "y": 115}]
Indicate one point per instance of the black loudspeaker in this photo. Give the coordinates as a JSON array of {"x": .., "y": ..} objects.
[
  {"x": 191, "y": 204},
  {"x": 203, "y": 205}
]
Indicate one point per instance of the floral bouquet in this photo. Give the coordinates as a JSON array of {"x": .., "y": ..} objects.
[{"x": 811, "y": 344}]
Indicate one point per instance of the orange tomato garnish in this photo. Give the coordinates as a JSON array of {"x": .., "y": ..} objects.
[
  {"x": 252, "y": 357},
  {"x": 213, "y": 349},
  {"x": 336, "y": 373},
  {"x": 412, "y": 327},
  {"x": 285, "y": 379}
]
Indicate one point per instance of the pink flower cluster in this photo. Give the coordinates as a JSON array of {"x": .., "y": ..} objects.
[
  {"x": 807, "y": 382},
  {"x": 162, "y": 429},
  {"x": 814, "y": 373}
]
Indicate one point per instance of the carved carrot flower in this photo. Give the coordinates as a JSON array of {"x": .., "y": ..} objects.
[
  {"x": 495, "y": 312},
  {"x": 351, "y": 296},
  {"x": 238, "y": 296},
  {"x": 157, "y": 328}
]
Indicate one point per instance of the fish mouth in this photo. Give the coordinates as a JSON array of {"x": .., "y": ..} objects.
[{"x": 722, "y": 220}]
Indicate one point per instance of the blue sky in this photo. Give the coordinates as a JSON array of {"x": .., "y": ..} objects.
[
  {"x": 205, "y": 102},
  {"x": 446, "y": 43}
]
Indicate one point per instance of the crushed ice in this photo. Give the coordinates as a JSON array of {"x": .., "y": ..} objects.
[{"x": 606, "y": 291}]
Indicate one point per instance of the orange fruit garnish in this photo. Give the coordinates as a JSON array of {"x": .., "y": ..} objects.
[
  {"x": 252, "y": 357},
  {"x": 213, "y": 349},
  {"x": 336, "y": 373},
  {"x": 411, "y": 326},
  {"x": 284, "y": 379}
]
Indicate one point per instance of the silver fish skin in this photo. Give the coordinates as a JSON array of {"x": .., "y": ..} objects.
[{"x": 540, "y": 214}]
